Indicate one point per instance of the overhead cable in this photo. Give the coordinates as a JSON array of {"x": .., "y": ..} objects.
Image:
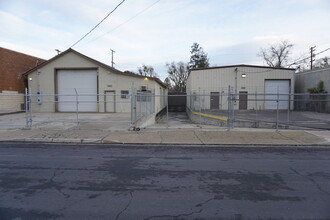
[{"x": 98, "y": 23}]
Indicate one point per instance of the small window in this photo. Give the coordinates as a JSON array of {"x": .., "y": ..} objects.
[{"x": 124, "y": 94}]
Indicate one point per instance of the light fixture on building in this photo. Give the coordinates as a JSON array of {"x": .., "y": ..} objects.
[
  {"x": 30, "y": 78},
  {"x": 145, "y": 78},
  {"x": 243, "y": 75}
]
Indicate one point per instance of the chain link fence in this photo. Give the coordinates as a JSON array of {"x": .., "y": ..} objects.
[
  {"x": 260, "y": 110},
  {"x": 75, "y": 108},
  {"x": 227, "y": 109}
]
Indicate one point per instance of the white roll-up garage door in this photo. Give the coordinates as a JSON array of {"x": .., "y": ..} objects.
[
  {"x": 82, "y": 81},
  {"x": 274, "y": 87}
]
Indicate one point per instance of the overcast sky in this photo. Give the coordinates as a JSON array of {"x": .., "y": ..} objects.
[{"x": 155, "y": 32}]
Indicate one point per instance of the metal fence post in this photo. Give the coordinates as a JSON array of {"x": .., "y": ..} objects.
[
  {"x": 133, "y": 108},
  {"x": 229, "y": 111},
  {"x": 204, "y": 100},
  {"x": 190, "y": 103},
  {"x": 277, "y": 110},
  {"x": 26, "y": 108},
  {"x": 200, "y": 109},
  {"x": 77, "y": 108},
  {"x": 30, "y": 107},
  {"x": 256, "y": 97},
  {"x": 220, "y": 107},
  {"x": 233, "y": 103},
  {"x": 167, "y": 110},
  {"x": 289, "y": 107}
]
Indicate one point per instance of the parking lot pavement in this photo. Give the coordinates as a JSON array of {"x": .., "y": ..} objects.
[
  {"x": 267, "y": 118},
  {"x": 68, "y": 121}
]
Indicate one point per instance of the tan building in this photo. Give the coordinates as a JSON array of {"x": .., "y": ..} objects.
[
  {"x": 244, "y": 81},
  {"x": 57, "y": 84}
]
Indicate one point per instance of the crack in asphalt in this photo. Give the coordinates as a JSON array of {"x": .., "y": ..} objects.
[
  {"x": 203, "y": 203},
  {"x": 312, "y": 180},
  {"x": 174, "y": 216},
  {"x": 126, "y": 207},
  {"x": 184, "y": 214},
  {"x": 51, "y": 181}
]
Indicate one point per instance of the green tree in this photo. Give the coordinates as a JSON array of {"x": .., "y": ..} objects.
[
  {"x": 198, "y": 58},
  {"x": 318, "y": 89}
]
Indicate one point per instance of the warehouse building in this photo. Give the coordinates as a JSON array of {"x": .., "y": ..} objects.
[
  {"x": 254, "y": 87},
  {"x": 58, "y": 84}
]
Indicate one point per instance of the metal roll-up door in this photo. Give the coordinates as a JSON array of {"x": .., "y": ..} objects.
[
  {"x": 277, "y": 89},
  {"x": 84, "y": 82}
]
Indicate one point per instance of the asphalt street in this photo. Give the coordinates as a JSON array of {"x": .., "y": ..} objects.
[{"x": 53, "y": 181}]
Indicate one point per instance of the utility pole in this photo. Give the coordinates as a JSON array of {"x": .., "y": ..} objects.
[
  {"x": 312, "y": 56},
  {"x": 112, "y": 63}
]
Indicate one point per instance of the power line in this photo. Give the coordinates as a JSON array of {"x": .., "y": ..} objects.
[
  {"x": 128, "y": 20},
  {"x": 99, "y": 23},
  {"x": 322, "y": 51},
  {"x": 299, "y": 61}
]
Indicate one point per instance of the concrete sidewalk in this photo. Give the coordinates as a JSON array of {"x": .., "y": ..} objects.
[{"x": 171, "y": 136}]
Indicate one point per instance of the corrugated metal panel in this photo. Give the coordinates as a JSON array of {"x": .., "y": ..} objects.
[{"x": 218, "y": 80}]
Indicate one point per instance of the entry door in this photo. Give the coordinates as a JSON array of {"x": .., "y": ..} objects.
[
  {"x": 110, "y": 101},
  {"x": 243, "y": 100},
  {"x": 214, "y": 100}
]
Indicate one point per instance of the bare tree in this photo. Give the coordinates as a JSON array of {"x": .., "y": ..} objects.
[
  {"x": 322, "y": 62},
  {"x": 277, "y": 55},
  {"x": 168, "y": 83},
  {"x": 178, "y": 75},
  {"x": 146, "y": 70}
]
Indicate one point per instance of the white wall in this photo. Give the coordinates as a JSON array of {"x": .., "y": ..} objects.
[
  {"x": 11, "y": 101},
  {"x": 310, "y": 79},
  {"x": 219, "y": 79},
  {"x": 44, "y": 79}
]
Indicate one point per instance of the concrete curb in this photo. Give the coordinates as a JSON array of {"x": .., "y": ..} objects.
[
  {"x": 118, "y": 143},
  {"x": 58, "y": 140}
]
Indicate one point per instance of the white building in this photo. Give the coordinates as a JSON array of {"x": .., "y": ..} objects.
[
  {"x": 100, "y": 88},
  {"x": 245, "y": 81},
  {"x": 310, "y": 79}
]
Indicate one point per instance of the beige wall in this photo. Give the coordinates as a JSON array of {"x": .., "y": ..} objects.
[
  {"x": 43, "y": 80},
  {"x": 11, "y": 101},
  {"x": 218, "y": 79},
  {"x": 310, "y": 79}
]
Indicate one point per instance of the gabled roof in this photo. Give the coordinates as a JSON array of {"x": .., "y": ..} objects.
[
  {"x": 105, "y": 66},
  {"x": 242, "y": 65}
]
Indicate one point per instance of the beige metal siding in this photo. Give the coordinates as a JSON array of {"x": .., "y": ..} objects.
[
  {"x": 44, "y": 80},
  {"x": 219, "y": 79}
]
